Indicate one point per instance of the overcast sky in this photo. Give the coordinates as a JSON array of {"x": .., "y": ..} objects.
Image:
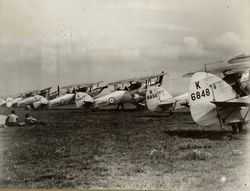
[{"x": 50, "y": 42}]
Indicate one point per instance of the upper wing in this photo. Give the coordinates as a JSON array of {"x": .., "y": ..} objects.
[
  {"x": 136, "y": 79},
  {"x": 238, "y": 102},
  {"x": 239, "y": 63},
  {"x": 28, "y": 93},
  {"x": 45, "y": 89},
  {"x": 240, "y": 58},
  {"x": 220, "y": 68},
  {"x": 88, "y": 84}
]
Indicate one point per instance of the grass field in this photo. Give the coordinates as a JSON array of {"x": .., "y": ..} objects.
[{"x": 121, "y": 150}]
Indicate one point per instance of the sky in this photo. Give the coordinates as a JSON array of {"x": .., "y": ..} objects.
[{"x": 51, "y": 42}]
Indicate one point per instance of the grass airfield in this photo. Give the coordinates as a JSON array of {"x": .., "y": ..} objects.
[{"x": 121, "y": 150}]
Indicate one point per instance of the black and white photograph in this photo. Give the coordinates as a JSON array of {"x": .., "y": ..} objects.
[{"x": 125, "y": 94}]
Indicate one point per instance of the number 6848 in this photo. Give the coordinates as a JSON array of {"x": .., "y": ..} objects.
[{"x": 200, "y": 94}]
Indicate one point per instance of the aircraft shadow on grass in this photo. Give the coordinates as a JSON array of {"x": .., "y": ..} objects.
[{"x": 206, "y": 134}]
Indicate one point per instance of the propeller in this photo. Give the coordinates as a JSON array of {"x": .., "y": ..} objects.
[{"x": 58, "y": 89}]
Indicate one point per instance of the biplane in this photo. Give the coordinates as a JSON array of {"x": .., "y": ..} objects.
[
  {"x": 131, "y": 90},
  {"x": 66, "y": 94},
  {"x": 220, "y": 96},
  {"x": 14, "y": 99},
  {"x": 34, "y": 99},
  {"x": 28, "y": 99}
]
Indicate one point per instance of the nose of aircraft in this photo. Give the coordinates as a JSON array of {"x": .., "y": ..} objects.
[{"x": 126, "y": 97}]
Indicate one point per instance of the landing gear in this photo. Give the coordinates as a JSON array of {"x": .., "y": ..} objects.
[
  {"x": 237, "y": 127},
  {"x": 240, "y": 127},
  {"x": 234, "y": 128},
  {"x": 118, "y": 106}
]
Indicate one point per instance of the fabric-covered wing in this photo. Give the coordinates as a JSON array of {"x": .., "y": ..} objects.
[
  {"x": 88, "y": 84},
  {"x": 45, "y": 89},
  {"x": 238, "y": 63},
  {"x": 223, "y": 68},
  {"x": 136, "y": 79}
]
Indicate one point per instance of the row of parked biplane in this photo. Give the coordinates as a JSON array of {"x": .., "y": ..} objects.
[{"x": 218, "y": 94}]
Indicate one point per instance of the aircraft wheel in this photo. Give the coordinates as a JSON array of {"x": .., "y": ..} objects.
[
  {"x": 234, "y": 128},
  {"x": 240, "y": 126}
]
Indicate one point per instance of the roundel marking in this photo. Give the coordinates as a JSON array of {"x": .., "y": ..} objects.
[
  {"x": 111, "y": 100},
  {"x": 62, "y": 101}
]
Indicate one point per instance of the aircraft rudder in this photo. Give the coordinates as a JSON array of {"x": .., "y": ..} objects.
[
  {"x": 82, "y": 98},
  {"x": 203, "y": 89},
  {"x": 156, "y": 95}
]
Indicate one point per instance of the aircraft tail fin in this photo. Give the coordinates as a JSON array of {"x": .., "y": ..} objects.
[
  {"x": 97, "y": 91},
  {"x": 42, "y": 101},
  {"x": 2, "y": 102},
  {"x": 9, "y": 99},
  {"x": 204, "y": 88},
  {"x": 82, "y": 99},
  {"x": 10, "y": 104},
  {"x": 46, "y": 96},
  {"x": 157, "y": 99}
]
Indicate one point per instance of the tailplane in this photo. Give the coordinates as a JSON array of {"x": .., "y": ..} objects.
[
  {"x": 2, "y": 101},
  {"x": 83, "y": 99},
  {"x": 158, "y": 99},
  {"x": 41, "y": 102}
]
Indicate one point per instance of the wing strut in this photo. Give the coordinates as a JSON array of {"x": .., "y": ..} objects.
[
  {"x": 246, "y": 114},
  {"x": 217, "y": 110}
]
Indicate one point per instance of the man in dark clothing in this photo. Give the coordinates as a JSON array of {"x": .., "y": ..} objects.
[{"x": 13, "y": 120}]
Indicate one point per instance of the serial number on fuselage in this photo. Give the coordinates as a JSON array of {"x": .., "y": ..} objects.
[
  {"x": 154, "y": 95},
  {"x": 102, "y": 103}
]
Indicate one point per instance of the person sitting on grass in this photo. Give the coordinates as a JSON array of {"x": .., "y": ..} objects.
[
  {"x": 13, "y": 120},
  {"x": 29, "y": 120}
]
